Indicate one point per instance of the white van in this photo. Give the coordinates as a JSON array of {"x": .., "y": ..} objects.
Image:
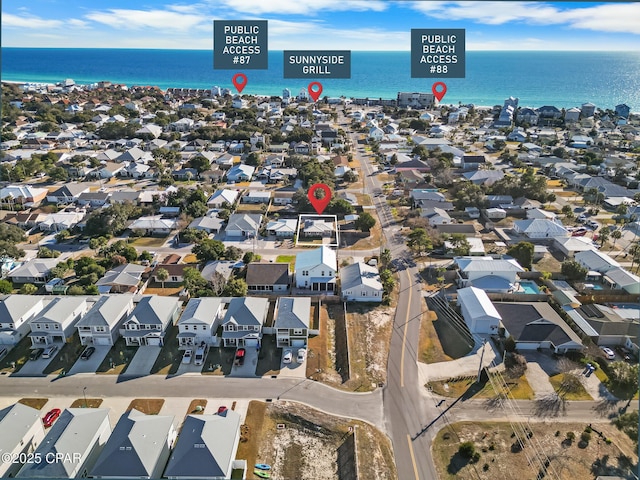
[
  {"x": 49, "y": 351},
  {"x": 198, "y": 359}
]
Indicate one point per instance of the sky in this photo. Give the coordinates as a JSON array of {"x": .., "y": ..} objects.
[{"x": 322, "y": 24}]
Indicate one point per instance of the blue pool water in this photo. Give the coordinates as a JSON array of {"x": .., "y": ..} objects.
[{"x": 529, "y": 287}]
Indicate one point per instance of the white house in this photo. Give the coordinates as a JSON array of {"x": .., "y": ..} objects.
[
  {"x": 619, "y": 278},
  {"x": 487, "y": 273},
  {"x": 282, "y": 227},
  {"x": 199, "y": 322},
  {"x": 257, "y": 196},
  {"x": 101, "y": 325},
  {"x": 55, "y": 323},
  {"x": 76, "y": 439},
  {"x": 36, "y": 270},
  {"x": 149, "y": 320},
  {"x": 240, "y": 173},
  {"x": 538, "y": 228},
  {"x": 15, "y": 313},
  {"x": 243, "y": 321},
  {"x": 478, "y": 312},
  {"x": 22, "y": 432},
  {"x": 596, "y": 261},
  {"x": 243, "y": 225},
  {"x": 220, "y": 197},
  {"x": 361, "y": 283},
  {"x": 292, "y": 321},
  {"x": 316, "y": 269}
]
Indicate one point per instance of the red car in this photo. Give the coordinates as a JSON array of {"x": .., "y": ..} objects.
[
  {"x": 222, "y": 409},
  {"x": 51, "y": 417},
  {"x": 240, "y": 356}
]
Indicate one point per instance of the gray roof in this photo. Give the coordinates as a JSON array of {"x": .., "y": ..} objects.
[
  {"x": 359, "y": 274},
  {"x": 154, "y": 309},
  {"x": 293, "y": 312},
  {"x": 203, "y": 310},
  {"x": 244, "y": 221},
  {"x": 107, "y": 311},
  {"x": 221, "y": 267},
  {"x": 128, "y": 274},
  {"x": 76, "y": 431},
  {"x": 135, "y": 446},
  {"x": 247, "y": 311},
  {"x": 14, "y": 307},
  {"x": 69, "y": 190},
  {"x": 15, "y": 422},
  {"x": 206, "y": 446},
  {"x": 59, "y": 309},
  {"x": 267, "y": 274},
  {"x": 34, "y": 268}
]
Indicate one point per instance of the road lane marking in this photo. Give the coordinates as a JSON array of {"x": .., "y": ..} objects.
[
  {"x": 404, "y": 337},
  {"x": 413, "y": 458}
]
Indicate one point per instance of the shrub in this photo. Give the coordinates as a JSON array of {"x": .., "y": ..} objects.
[
  {"x": 467, "y": 449},
  {"x": 485, "y": 467},
  {"x": 585, "y": 437},
  {"x": 476, "y": 457},
  {"x": 571, "y": 436}
]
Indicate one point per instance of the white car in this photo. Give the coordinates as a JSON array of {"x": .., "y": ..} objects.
[
  {"x": 302, "y": 355},
  {"x": 287, "y": 356},
  {"x": 186, "y": 358},
  {"x": 608, "y": 353}
]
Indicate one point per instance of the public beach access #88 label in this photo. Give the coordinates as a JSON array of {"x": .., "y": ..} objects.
[{"x": 437, "y": 53}]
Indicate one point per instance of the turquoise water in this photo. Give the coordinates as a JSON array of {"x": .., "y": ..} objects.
[
  {"x": 563, "y": 79},
  {"x": 529, "y": 287}
]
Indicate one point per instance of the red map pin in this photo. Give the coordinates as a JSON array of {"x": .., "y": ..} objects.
[
  {"x": 319, "y": 203},
  {"x": 439, "y": 94},
  {"x": 239, "y": 81},
  {"x": 315, "y": 90}
]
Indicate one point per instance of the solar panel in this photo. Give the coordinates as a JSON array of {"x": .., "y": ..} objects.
[{"x": 592, "y": 311}]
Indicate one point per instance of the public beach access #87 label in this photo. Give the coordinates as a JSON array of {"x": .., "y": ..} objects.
[
  {"x": 240, "y": 44},
  {"x": 437, "y": 53}
]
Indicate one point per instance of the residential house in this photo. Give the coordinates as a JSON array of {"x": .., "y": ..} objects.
[
  {"x": 56, "y": 322},
  {"x": 293, "y": 316},
  {"x": 622, "y": 110},
  {"x": 473, "y": 162},
  {"x": 175, "y": 271},
  {"x": 149, "y": 320},
  {"x": 549, "y": 112},
  {"x": 206, "y": 448},
  {"x": 595, "y": 261},
  {"x": 199, "y": 322},
  {"x": 110, "y": 170},
  {"x": 436, "y": 216},
  {"x": 608, "y": 326},
  {"x": 478, "y": 312},
  {"x": 138, "y": 447},
  {"x": 218, "y": 272},
  {"x": 208, "y": 223},
  {"x": 542, "y": 214},
  {"x": 56, "y": 222},
  {"x": 23, "y": 195},
  {"x": 495, "y": 213},
  {"x": 621, "y": 279},
  {"x": 268, "y": 277},
  {"x": 257, "y": 196},
  {"x": 484, "y": 177},
  {"x": 227, "y": 160},
  {"x": 153, "y": 225},
  {"x": 243, "y": 225},
  {"x": 317, "y": 228},
  {"x": 316, "y": 269},
  {"x": 361, "y": 283},
  {"x": 67, "y": 193},
  {"x": 75, "y": 441},
  {"x": 540, "y": 229},
  {"x": 93, "y": 199},
  {"x": 282, "y": 227},
  {"x": 22, "y": 432},
  {"x": 240, "y": 173},
  {"x": 220, "y": 197},
  {"x": 569, "y": 246},
  {"x": 101, "y": 324},
  {"x": 36, "y": 270},
  {"x": 572, "y": 115},
  {"x": 124, "y": 278},
  {"x": 487, "y": 273},
  {"x": 15, "y": 313},
  {"x": 535, "y": 325},
  {"x": 243, "y": 322}
]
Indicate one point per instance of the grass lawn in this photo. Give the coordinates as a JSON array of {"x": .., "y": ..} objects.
[
  {"x": 554, "y": 184},
  {"x": 18, "y": 355},
  {"x": 579, "y": 394},
  {"x": 363, "y": 199},
  {"x": 189, "y": 258},
  {"x": 170, "y": 357},
  {"x": 90, "y": 403},
  {"x": 148, "y": 242},
  {"x": 197, "y": 406},
  {"x": 430, "y": 349},
  {"x": 219, "y": 361},
  {"x": 66, "y": 357},
  {"x": 148, "y": 406},
  {"x": 517, "y": 388},
  {"x": 249, "y": 208},
  {"x": 269, "y": 357},
  {"x": 290, "y": 259},
  {"x": 168, "y": 291},
  {"x": 36, "y": 403},
  {"x": 117, "y": 359}
]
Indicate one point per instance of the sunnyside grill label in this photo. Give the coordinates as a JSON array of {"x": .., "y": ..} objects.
[
  {"x": 317, "y": 64},
  {"x": 240, "y": 44},
  {"x": 437, "y": 53}
]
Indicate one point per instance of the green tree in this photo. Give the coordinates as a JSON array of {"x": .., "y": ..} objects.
[
  {"x": 616, "y": 235},
  {"x": 419, "y": 241},
  {"x": 28, "y": 289},
  {"x": 340, "y": 207},
  {"x": 628, "y": 423},
  {"x": 97, "y": 242},
  {"x": 385, "y": 258},
  {"x": 208, "y": 250},
  {"x": 44, "y": 252},
  {"x": 91, "y": 290},
  {"x": 365, "y": 222},
  {"x": 76, "y": 290},
  {"x": 573, "y": 270},
  {"x": 6, "y": 286},
  {"x": 233, "y": 253},
  {"x": 62, "y": 235},
  {"x": 235, "y": 287},
  {"x": 523, "y": 253},
  {"x": 145, "y": 256},
  {"x": 200, "y": 163},
  {"x": 11, "y": 233},
  {"x": 604, "y": 235},
  {"x": 461, "y": 245},
  {"x": 9, "y": 250},
  {"x": 162, "y": 274},
  {"x": 194, "y": 282},
  {"x": 248, "y": 257}
]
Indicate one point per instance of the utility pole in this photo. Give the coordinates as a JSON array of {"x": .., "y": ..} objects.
[{"x": 484, "y": 342}]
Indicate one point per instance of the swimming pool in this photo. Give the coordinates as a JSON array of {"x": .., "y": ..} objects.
[{"x": 529, "y": 287}]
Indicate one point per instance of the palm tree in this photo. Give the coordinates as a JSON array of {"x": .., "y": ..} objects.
[
  {"x": 634, "y": 250},
  {"x": 616, "y": 234},
  {"x": 162, "y": 274}
]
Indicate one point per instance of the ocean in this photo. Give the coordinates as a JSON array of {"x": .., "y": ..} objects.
[{"x": 563, "y": 79}]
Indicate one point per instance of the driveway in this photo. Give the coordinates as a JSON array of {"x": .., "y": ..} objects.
[
  {"x": 189, "y": 368},
  {"x": 248, "y": 368},
  {"x": 142, "y": 361},
  {"x": 293, "y": 369},
  {"x": 539, "y": 367},
  {"x": 34, "y": 368},
  {"x": 92, "y": 364}
]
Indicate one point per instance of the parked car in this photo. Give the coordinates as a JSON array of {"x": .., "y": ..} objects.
[
  {"x": 51, "y": 417},
  {"x": 186, "y": 358},
  {"x": 287, "y": 356},
  {"x": 87, "y": 353},
  {"x": 3, "y": 351},
  {"x": 201, "y": 352},
  {"x": 240, "y": 354},
  {"x": 624, "y": 353},
  {"x": 302, "y": 355},
  {"x": 49, "y": 351},
  {"x": 221, "y": 409},
  {"x": 581, "y": 232},
  {"x": 608, "y": 353},
  {"x": 35, "y": 354}
]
